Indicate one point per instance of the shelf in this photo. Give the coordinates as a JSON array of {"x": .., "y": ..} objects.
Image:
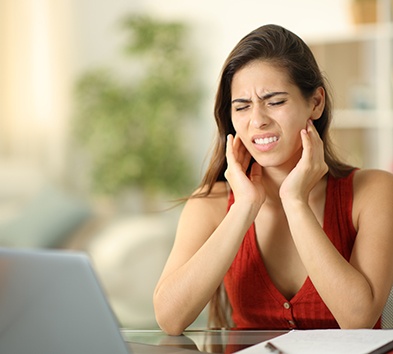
[
  {"x": 358, "y": 33},
  {"x": 363, "y": 119},
  {"x": 358, "y": 63}
]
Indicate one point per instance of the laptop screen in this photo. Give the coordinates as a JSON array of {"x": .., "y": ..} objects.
[{"x": 52, "y": 302}]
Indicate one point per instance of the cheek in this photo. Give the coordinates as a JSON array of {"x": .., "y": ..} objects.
[
  {"x": 296, "y": 121},
  {"x": 239, "y": 124},
  {"x": 292, "y": 128}
]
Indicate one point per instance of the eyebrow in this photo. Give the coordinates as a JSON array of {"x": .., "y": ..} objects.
[{"x": 264, "y": 97}]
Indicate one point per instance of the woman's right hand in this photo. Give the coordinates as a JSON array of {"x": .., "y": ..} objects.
[
  {"x": 203, "y": 251},
  {"x": 248, "y": 188}
]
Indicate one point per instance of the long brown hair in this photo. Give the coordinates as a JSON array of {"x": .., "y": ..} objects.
[{"x": 285, "y": 50}]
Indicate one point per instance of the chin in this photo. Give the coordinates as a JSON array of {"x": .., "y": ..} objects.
[
  {"x": 269, "y": 162},
  {"x": 276, "y": 162},
  {"x": 277, "y": 159}
]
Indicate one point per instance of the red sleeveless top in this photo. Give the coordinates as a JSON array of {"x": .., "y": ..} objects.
[{"x": 258, "y": 304}]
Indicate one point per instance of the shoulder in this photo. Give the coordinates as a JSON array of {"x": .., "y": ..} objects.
[
  {"x": 212, "y": 207},
  {"x": 201, "y": 215},
  {"x": 373, "y": 192},
  {"x": 367, "y": 181},
  {"x": 216, "y": 200},
  {"x": 219, "y": 190}
]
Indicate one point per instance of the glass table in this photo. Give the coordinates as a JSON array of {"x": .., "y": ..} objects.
[{"x": 207, "y": 341}]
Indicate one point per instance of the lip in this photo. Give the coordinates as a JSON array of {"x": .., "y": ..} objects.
[{"x": 265, "y": 147}]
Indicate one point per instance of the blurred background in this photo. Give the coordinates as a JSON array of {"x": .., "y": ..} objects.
[{"x": 106, "y": 117}]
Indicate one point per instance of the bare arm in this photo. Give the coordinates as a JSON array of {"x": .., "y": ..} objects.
[
  {"x": 206, "y": 243},
  {"x": 355, "y": 291},
  {"x": 200, "y": 257}
]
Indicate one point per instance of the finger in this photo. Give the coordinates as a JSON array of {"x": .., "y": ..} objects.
[
  {"x": 239, "y": 146},
  {"x": 313, "y": 146},
  {"x": 306, "y": 142},
  {"x": 232, "y": 150},
  {"x": 310, "y": 126},
  {"x": 256, "y": 173},
  {"x": 229, "y": 148},
  {"x": 315, "y": 139},
  {"x": 312, "y": 131},
  {"x": 241, "y": 153}
]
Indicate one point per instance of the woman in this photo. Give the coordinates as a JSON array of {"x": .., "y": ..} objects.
[{"x": 297, "y": 238}]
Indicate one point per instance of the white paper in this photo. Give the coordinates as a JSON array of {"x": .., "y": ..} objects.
[{"x": 329, "y": 341}]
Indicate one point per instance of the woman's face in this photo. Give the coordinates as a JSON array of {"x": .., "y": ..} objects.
[{"x": 268, "y": 113}]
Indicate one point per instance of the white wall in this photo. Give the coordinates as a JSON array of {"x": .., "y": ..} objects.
[
  {"x": 216, "y": 26},
  {"x": 46, "y": 45}
]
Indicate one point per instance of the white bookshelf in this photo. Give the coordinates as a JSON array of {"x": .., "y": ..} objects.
[{"x": 359, "y": 67}]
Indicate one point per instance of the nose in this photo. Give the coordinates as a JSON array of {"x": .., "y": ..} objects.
[{"x": 259, "y": 118}]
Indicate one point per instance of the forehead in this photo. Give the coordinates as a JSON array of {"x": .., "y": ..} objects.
[{"x": 260, "y": 75}]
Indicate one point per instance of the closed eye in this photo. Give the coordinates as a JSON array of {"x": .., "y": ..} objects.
[
  {"x": 278, "y": 103},
  {"x": 242, "y": 108}
]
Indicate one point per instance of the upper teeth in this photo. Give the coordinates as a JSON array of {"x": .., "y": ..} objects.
[{"x": 263, "y": 141}]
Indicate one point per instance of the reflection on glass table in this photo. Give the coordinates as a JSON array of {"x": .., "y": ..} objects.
[{"x": 210, "y": 341}]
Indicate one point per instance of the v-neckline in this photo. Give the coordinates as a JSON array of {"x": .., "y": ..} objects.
[{"x": 265, "y": 276}]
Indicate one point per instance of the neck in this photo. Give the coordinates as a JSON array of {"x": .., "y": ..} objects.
[{"x": 273, "y": 178}]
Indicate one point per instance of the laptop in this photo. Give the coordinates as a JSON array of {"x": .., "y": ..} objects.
[{"x": 52, "y": 302}]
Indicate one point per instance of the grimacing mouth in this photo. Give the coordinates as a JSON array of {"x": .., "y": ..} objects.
[{"x": 265, "y": 141}]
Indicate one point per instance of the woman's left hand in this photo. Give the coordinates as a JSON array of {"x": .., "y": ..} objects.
[{"x": 310, "y": 168}]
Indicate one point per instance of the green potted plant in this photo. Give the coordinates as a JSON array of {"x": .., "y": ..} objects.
[{"x": 131, "y": 128}]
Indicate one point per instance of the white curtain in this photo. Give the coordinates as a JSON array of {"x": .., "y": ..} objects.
[{"x": 35, "y": 82}]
